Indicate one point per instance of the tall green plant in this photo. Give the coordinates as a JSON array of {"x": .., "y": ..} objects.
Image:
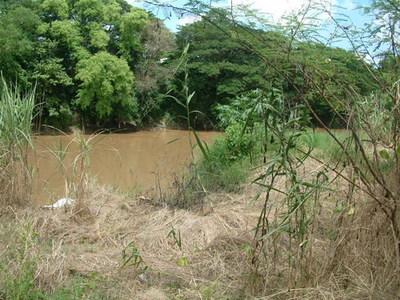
[
  {"x": 76, "y": 171},
  {"x": 283, "y": 124},
  {"x": 184, "y": 100},
  {"x": 16, "y": 116}
]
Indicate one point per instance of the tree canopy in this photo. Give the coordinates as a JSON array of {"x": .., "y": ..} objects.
[
  {"x": 82, "y": 54},
  {"x": 227, "y": 59},
  {"x": 100, "y": 62}
]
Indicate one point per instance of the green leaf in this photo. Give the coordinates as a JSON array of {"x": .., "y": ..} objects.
[
  {"x": 339, "y": 208},
  {"x": 173, "y": 141},
  {"x": 189, "y": 99},
  {"x": 176, "y": 100},
  {"x": 248, "y": 249},
  {"x": 384, "y": 154},
  {"x": 182, "y": 262},
  {"x": 196, "y": 112},
  {"x": 268, "y": 186},
  {"x": 106, "y": 83},
  {"x": 201, "y": 146}
]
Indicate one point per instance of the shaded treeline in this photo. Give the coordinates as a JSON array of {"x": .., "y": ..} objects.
[{"x": 108, "y": 64}]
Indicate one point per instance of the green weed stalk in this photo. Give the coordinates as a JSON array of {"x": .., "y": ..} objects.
[
  {"x": 189, "y": 113},
  {"x": 296, "y": 223}
]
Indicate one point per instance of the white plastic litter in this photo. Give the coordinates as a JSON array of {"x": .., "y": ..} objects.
[{"x": 60, "y": 203}]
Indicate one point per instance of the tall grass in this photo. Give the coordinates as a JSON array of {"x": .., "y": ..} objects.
[
  {"x": 73, "y": 161},
  {"x": 193, "y": 186},
  {"x": 16, "y": 116}
]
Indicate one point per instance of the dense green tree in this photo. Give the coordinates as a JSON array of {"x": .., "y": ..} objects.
[
  {"x": 219, "y": 66},
  {"x": 338, "y": 73},
  {"x": 94, "y": 41},
  {"x": 82, "y": 55},
  {"x": 227, "y": 58},
  {"x": 106, "y": 88},
  {"x": 17, "y": 32},
  {"x": 105, "y": 61}
]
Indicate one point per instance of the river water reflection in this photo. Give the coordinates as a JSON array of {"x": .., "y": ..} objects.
[{"x": 137, "y": 162}]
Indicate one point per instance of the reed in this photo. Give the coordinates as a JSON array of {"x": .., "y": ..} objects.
[
  {"x": 16, "y": 116},
  {"x": 74, "y": 165}
]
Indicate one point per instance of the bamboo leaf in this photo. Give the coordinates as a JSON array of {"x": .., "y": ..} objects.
[
  {"x": 268, "y": 186},
  {"x": 176, "y": 100},
  {"x": 173, "y": 141},
  {"x": 201, "y": 146},
  {"x": 189, "y": 98}
]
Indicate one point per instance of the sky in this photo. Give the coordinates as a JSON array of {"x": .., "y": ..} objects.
[{"x": 274, "y": 8}]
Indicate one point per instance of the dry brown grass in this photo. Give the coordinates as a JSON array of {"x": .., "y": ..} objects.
[
  {"x": 351, "y": 256},
  {"x": 212, "y": 243}
]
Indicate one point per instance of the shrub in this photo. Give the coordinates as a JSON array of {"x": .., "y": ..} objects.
[{"x": 223, "y": 169}]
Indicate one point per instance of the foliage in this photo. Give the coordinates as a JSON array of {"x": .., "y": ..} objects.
[
  {"x": 106, "y": 87},
  {"x": 338, "y": 88},
  {"x": 216, "y": 62},
  {"x": 132, "y": 258},
  {"x": 247, "y": 108},
  {"x": 18, "y": 272},
  {"x": 386, "y": 16},
  {"x": 323, "y": 145},
  {"x": 227, "y": 58},
  {"x": 224, "y": 49},
  {"x": 225, "y": 168},
  {"x": 88, "y": 286},
  {"x": 369, "y": 161},
  {"x": 153, "y": 71},
  {"x": 17, "y": 42},
  {"x": 57, "y": 46},
  {"x": 132, "y": 22}
]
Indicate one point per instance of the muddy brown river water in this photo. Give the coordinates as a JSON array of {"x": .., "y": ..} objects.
[{"x": 140, "y": 162}]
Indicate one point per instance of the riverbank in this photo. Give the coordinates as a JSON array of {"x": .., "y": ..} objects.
[{"x": 119, "y": 246}]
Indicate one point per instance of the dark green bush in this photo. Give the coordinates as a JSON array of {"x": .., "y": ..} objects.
[{"x": 224, "y": 169}]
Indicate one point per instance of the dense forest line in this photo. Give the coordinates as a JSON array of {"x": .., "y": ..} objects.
[{"x": 107, "y": 64}]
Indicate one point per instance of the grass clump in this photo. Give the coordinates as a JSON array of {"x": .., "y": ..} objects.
[
  {"x": 82, "y": 287},
  {"x": 323, "y": 145},
  {"x": 18, "y": 264}
]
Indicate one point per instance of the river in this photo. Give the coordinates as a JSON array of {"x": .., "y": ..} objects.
[{"x": 140, "y": 162}]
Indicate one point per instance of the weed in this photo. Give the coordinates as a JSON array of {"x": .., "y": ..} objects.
[
  {"x": 18, "y": 269},
  {"x": 131, "y": 257},
  {"x": 89, "y": 286},
  {"x": 176, "y": 236},
  {"x": 76, "y": 171}
]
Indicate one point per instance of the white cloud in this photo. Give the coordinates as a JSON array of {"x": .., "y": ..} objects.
[
  {"x": 278, "y": 8},
  {"x": 349, "y": 5},
  {"x": 189, "y": 20}
]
